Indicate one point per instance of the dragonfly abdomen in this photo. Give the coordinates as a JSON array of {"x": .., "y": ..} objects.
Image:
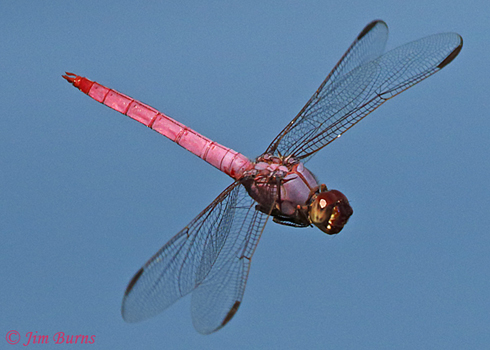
[{"x": 225, "y": 159}]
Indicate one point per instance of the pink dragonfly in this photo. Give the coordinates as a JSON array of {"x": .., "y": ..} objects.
[{"x": 211, "y": 256}]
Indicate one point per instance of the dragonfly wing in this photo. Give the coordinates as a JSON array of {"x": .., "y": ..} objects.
[
  {"x": 199, "y": 254},
  {"x": 343, "y": 101},
  {"x": 220, "y": 293},
  {"x": 369, "y": 45}
]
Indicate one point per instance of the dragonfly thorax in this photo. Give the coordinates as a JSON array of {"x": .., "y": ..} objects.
[
  {"x": 279, "y": 183},
  {"x": 289, "y": 192}
]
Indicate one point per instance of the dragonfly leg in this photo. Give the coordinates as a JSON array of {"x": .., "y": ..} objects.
[
  {"x": 298, "y": 219},
  {"x": 287, "y": 221}
]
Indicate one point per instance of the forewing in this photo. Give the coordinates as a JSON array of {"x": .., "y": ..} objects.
[
  {"x": 369, "y": 45},
  {"x": 342, "y": 102},
  {"x": 204, "y": 248}
]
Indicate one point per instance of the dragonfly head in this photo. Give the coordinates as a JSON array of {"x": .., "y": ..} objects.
[{"x": 329, "y": 211}]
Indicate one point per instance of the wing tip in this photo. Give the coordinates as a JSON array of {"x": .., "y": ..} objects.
[
  {"x": 452, "y": 55},
  {"x": 369, "y": 27},
  {"x": 133, "y": 281},
  {"x": 125, "y": 315},
  {"x": 231, "y": 313}
]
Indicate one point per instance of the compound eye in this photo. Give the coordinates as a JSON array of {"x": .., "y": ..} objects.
[{"x": 329, "y": 211}]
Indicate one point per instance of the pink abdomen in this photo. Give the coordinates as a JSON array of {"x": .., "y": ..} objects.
[{"x": 225, "y": 159}]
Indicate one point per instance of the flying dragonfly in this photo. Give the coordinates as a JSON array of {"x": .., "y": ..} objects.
[{"x": 211, "y": 256}]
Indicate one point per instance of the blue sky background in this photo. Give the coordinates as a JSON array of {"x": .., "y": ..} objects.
[{"x": 87, "y": 195}]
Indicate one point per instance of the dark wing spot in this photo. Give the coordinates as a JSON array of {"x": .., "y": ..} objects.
[
  {"x": 368, "y": 28},
  {"x": 451, "y": 56},
  {"x": 133, "y": 281},
  {"x": 231, "y": 313}
]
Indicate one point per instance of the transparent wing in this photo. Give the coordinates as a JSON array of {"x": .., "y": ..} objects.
[
  {"x": 360, "y": 83},
  {"x": 211, "y": 256}
]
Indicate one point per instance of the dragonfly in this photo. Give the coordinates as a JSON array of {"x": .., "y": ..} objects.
[{"x": 211, "y": 256}]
